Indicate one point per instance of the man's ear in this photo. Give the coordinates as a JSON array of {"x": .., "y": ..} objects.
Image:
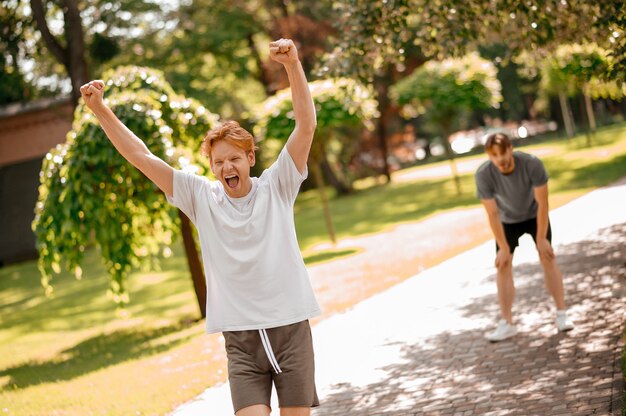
[{"x": 251, "y": 158}]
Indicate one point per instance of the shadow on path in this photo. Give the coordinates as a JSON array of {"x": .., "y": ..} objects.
[{"x": 539, "y": 372}]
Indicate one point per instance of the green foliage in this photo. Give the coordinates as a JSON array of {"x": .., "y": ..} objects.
[
  {"x": 88, "y": 189},
  {"x": 207, "y": 54},
  {"x": 14, "y": 86},
  {"x": 14, "y": 33},
  {"x": 102, "y": 48},
  {"x": 187, "y": 118},
  {"x": 343, "y": 107},
  {"x": 107, "y": 28},
  {"x": 597, "y": 88},
  {"x": 445, "y": 89},
  {"x": 442, "y": 28},
  {"x": 613, "y": 19},
  {"x": 371, "y": 35},
  {"x": 339, "y": 102},
  {"x": 453, "y": 27},
  {"x": 572, "y": 66}
]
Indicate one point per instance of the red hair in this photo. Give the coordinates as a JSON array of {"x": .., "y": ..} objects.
[{"x": 231, "y": 132}]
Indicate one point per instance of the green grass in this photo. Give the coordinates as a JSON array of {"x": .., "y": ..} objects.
[{"x": 74, "y": 354}]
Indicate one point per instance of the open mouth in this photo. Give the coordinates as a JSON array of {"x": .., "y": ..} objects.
[{"x": 232, "y": 181}]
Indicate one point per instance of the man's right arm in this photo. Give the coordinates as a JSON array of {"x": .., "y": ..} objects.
[
  {"x": 126, "y": 142},
  {"x": 504, "y": 250}
]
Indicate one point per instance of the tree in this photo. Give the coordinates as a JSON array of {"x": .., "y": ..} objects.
[
  {"x": 13, "y": 36},
  {"x": 81, "y": 36},
  {"x": 216, "y": 51},
  {"x": 444, "y": 90},
  {"x": 87, "y": 188},
  {"x": 376, "y": 41},
  {"x": 569, "y": 71},
  {"x": 72, "y": 54},
  {"x": 373, "y": 34},
  {"x": 370, "y": 48},
  {"x": 340, "y": 103}
]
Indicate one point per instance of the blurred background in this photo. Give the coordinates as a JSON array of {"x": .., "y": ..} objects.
[{"x": 398, "y": 85}]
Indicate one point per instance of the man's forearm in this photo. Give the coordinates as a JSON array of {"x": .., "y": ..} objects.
[
  {"x": 303, "y": 107},
  {"x": 124, "y": 140},
  {"x": 542, "y": 221},
  {"x": 498, "y": 231}
]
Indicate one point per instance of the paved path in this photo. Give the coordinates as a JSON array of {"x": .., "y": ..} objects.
[{"x": 418, "y": 348}]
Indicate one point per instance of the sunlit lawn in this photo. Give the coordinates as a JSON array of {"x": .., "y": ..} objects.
[
  {"x": 72, "y": 355},
  {"x": 75, "y": 355}
]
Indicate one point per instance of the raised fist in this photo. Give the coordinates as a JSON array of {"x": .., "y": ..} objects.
[
  {"x": 284, "y": 51},
  {"x": 92, "y": 93}
]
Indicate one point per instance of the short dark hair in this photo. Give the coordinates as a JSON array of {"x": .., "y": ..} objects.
[{"x": 501, "y": 140}]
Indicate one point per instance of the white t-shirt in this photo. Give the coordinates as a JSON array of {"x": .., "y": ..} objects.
[{"x": 254, "y": 270}]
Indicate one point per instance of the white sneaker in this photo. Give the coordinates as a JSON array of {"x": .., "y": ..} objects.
[
  {"x": 502, "y": 332},
  {"x": 563, "y": 322}
]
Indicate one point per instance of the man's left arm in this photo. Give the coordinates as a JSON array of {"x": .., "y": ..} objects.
[
  {"x": 543, "y": 245},
  {"x": 300, "y": 140}
]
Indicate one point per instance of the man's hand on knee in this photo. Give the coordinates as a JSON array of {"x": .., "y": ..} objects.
[
  {"x": 546, "y": 253},
  {"x": 503, "y": 258}
]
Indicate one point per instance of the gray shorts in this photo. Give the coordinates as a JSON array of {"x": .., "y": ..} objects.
[{"x": 282, "y": 355}]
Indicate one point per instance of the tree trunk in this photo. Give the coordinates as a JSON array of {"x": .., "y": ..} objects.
[
  {"x": 450, "y": 154},
  {"x": 76, "y": 63},
  {"x": 71, "y": 57},
  {"x": 590, "y": 114},
  {"x": 590, "y": 117},
  {"x": 262, "y": 74},
  {"x": 319, "y": 181},
  {"x": 382, "y": 96},
  {"x": 340, "y": 186},
  {"x": 567, "y": 119},
  {"x": 193, "y": 260},
  {"x": 39, "y": 14}
]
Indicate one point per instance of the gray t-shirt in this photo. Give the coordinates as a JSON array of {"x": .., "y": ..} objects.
[{"x": 514, "y": 193}]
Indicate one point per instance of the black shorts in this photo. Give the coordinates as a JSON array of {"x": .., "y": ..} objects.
[{"x": 514, "y": 231}]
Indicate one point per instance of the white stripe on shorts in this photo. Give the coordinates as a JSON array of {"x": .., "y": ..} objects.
[{"x": 268, "y": 350}]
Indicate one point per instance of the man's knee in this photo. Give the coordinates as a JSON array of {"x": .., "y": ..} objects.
[
  {"x": 295, "y": 411},
  {"x": 505, "y": 271},
  {"x": 548, "y": 262},
  {"x": 254, "y": 410}
]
